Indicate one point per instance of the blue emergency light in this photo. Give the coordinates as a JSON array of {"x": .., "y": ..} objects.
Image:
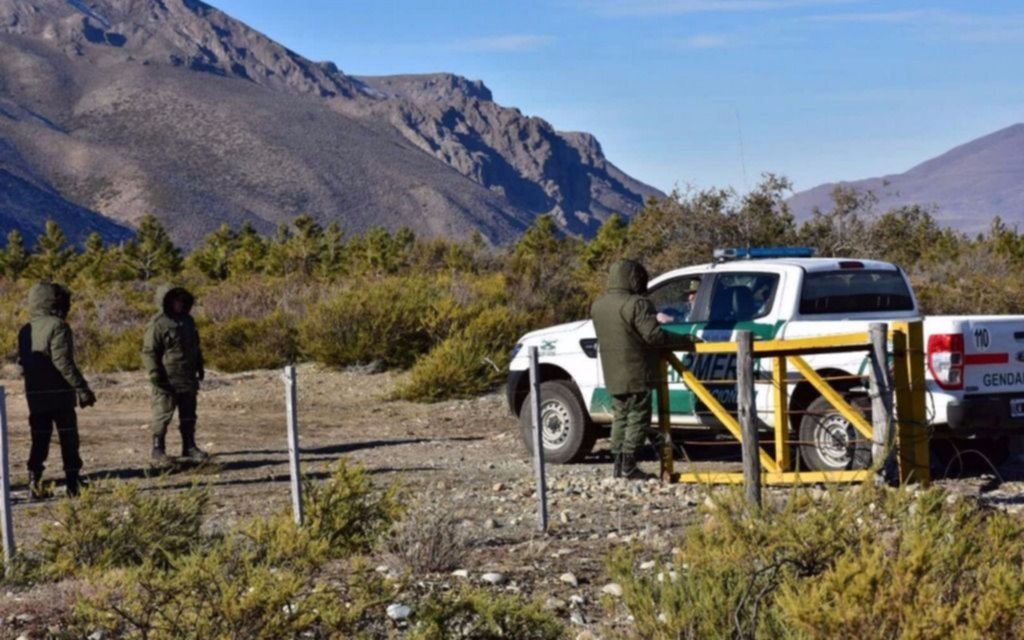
[{"x": 739, "y": 253}]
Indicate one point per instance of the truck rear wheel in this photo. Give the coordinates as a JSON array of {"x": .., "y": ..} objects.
[
  {"x": 568, "y": 434},
  {"x": 829, "y": 442}
]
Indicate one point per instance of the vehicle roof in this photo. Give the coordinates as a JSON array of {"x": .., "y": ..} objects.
[{"x": 807, "y": 264}]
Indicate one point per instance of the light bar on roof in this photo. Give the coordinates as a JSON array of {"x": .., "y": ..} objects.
[{"x": 739, "y": 253}]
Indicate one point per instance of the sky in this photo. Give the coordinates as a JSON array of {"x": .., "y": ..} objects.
[{"x": 701, "y": 93}]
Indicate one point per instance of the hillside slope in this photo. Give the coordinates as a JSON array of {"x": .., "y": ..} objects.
[
  {"x": 170, "y": 107},
  {"x": 967, "y": 186}
]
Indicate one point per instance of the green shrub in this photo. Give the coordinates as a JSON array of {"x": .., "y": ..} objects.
[
  {"x": 481, "y": 615},
  {"x": 230, "y": 591},
  {"x": 860, "y": 563},
  {"x": 245, "y": 344},
  {"x": 120, "y": 352},
  {"x": 385, "y": 321},
  {"x": 347, "y": 512},
  {"x": 264, "y": 580},
  {"x": 471, "y": 361},
  {"x": 122, "y": 527}
]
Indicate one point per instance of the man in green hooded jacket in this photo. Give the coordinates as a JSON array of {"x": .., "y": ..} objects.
[
  {"x": 631, "y": 342},
  {"x": 173, "y": 358},
  {"x": 54, "y": 386}
]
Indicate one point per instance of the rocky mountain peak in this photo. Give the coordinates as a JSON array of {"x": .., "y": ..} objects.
[
  {"x": 434, "y": 87},
  {"x": 181, "y": 33}
]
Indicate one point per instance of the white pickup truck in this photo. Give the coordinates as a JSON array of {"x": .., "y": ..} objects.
[{"x": 975, "y": 364}]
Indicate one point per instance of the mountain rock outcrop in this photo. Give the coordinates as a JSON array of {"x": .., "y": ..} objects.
[{"x": 120, "y": 108}]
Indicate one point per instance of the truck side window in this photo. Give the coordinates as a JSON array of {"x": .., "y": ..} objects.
[
  {"x": 674, "y": 299},
  {"x": 738, "y": 297}
]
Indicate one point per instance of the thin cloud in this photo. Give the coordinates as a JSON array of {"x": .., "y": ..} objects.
[
  {"x": 511, "y": 43},
  {"x": 876, "y": 17},
  {"x": 705, "y": 41},
  {"x": 937, "y": 24},
  {"x": 679, "y": 7}
]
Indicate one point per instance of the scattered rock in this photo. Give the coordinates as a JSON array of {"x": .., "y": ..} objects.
[
  {"x": 612, "y": 589},
  {"x": 569, "y": 578},
  {"x": 98, "y": 635},
  {"x": 576, "y": 600},
  {"x": 647, "y": 566},
  {"x": 460, "y": 573},
  {"x": 399, "y": 612},
  {"x": 577, "y": 618},
  {"x": 499, "y": 486},
  {"x": 382, "y": 568},
  {"x": 586, "y": 635},
  {"x": 564, "y": 517},
  {"x": 490, "y": 523},
  {"x": 554, "y": 604},
  {"x": 493, "y": 577}
]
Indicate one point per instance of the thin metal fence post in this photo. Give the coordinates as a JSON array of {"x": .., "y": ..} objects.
[
  {"x": 880, "y": 390},
  {"x": 538, "y": 439},
  {"x": 291, "y": 403},
  {"x": 6, "y": 515},
  {"x": 747, "y": 415}
]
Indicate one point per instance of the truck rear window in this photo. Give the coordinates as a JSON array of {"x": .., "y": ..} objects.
[{"x": 854, "y": 292}]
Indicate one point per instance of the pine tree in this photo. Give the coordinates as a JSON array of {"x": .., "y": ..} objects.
[
  {"x": 152, "y": 253},
  {"x": 214, "y": 256},
  {"x": 250, "y": 256},
  {"x": 15, "y": 257},
  {"x": 94, "y": 263},
  {"x": 52, "y": 257}
]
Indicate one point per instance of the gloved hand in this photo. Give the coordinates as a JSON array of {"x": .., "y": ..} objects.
[
  {"x": 86, "y": 398},
  {"x": 157, "y": 380}
]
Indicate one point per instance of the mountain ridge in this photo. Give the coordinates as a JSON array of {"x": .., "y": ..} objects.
[
  {"x": 965, "y": 187},
  {"x": 172, "y": 107}
]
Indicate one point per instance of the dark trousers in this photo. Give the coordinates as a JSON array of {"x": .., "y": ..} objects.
[
  {"x": 41, "y": 425},
  {"x": 164, "y": 406},
  {"x": 631, "y": 420}
]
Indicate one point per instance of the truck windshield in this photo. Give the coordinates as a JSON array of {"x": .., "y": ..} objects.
[{"x": 854, "y": 292}]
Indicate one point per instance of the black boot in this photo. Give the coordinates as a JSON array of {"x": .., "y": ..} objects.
[
  {"x": 631, "y": 471},
  {"x": 189, "y": 450},
  {"x": 36, "y": 489},
  {"x": 74, "y": 483},
  {"x": 617, "y": 462},
  {"x": 159, "y": 455}
]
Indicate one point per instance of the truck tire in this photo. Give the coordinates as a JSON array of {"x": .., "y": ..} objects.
[
  {"x": 828, "y": 442},
  {"x": 568, "y": 434}
]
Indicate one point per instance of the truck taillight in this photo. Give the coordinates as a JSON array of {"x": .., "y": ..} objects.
[{"x": 946, "y": 360}]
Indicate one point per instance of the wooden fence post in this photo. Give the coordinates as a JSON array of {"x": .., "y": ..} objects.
[
  {"x": 747, "y": 415},
  {"x": 880, "y": 390}
]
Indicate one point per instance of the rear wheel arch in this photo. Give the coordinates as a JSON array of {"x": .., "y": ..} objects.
[{"x": 805, "y": 393}]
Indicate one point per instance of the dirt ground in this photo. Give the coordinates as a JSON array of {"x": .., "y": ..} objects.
[{"x": 465, "y": 455}]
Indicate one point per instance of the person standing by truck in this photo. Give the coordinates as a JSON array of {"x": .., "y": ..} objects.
[
  {"x": 173, "y": 358},
  {"x": 54, "y": 386},
  {"x": 631, "y": 343}
]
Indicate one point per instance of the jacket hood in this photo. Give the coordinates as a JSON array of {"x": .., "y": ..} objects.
[
  {"x": 48, "y": 299},
  {"x": 628, "y": 275},
  {"x": 166, "y": 292}
]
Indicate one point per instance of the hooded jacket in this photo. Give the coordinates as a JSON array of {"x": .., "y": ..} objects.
[
  {"x": 46, "y": 351},
  {"x": 171, "y": 352},
  {"x": 628, "y": 334}
]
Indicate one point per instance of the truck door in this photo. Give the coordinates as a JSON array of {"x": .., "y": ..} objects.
[{"x": 726, "y": 302}]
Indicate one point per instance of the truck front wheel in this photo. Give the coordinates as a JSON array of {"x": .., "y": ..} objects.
[
  {"x": 568, "y": 434},
  {"x": 829, "y": 442}
]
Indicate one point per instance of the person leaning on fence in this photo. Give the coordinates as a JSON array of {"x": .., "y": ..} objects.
[
  {"x": 173, "y": 358},
  {"x": 54, "y": 386},
  {"x": 631, "y": 343}
]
